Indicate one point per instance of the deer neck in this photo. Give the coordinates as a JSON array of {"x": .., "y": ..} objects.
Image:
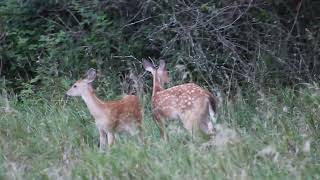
[
  {"x": 156, "y": 85},
  {"x": 93, "y": 103}
]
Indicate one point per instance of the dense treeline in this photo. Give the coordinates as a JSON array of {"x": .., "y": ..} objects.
[{"x": 215, "y": 43}]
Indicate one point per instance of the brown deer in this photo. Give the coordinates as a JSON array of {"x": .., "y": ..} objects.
[
  {"x": 110, "y": 116},
  {"x": 191, "y": 104}
]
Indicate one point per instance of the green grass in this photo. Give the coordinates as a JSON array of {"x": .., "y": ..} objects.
[{"x": 51, "y": 140}]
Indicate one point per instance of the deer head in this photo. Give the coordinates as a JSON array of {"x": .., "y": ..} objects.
[
  {"x": 160, "y": 75},
  {"x": 83, "y": 85}
]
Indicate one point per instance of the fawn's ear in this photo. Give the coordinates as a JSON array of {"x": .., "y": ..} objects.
[
  {"x": 91, "y": 75},
  {"x": 148, "y": 66},
  {"x": 162, "y": 72},
  {"x": 162, "y": 65}
]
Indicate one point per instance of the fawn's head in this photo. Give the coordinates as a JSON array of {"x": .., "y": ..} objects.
[
  {"x": 160, "y": 75},
  {"x": 82, "y": 85}
]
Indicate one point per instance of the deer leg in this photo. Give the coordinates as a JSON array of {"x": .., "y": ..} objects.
[
  {"x": 197, "y": 121},
  {"x": 141, "y": 135},
  {"x": 188, "y": 125},
  {"x": 102, "y": 139},
  {"x": 161, "y": 127},
  {"x": 110, "y": 138},
  {"x": 206, "y": 125}
]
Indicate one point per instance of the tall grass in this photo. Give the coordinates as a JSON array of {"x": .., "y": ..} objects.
[{"x": 271, "y": 134}]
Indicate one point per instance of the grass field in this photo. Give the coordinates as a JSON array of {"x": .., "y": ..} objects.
[{"x": 261, "y": 136}]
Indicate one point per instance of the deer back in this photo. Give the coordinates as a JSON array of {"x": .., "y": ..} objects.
[
  {"x": 175, "y": 101},
  {"x": 127, "y": 107}
]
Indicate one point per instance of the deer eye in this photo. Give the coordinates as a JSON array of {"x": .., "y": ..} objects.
[{"x": 74, "y": 86}]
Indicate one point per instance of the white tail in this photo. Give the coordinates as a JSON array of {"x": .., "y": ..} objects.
[
  {"x": 110, "y": 116},
  {"x": 189, "y": 103}
]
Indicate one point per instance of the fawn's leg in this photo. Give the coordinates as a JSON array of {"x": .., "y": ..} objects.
[
  {"x": 141, "y": 135},
  {"x": 110, "y": 138},
  {"x": 161, "y": 127},
  {"x": 102, "y": 139}
]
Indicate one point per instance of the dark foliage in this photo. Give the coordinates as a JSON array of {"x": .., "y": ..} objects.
[{"x": 227, "y": 43}]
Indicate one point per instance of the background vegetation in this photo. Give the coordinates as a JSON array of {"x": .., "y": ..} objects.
[
  {"x": 216, "y": 43},
  {"x": 261, "y": 57}
]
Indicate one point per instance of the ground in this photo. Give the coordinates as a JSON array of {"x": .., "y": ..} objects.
[{"x": 264, "y": 136}]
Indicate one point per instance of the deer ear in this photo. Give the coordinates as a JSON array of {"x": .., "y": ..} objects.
[
  {"x": 91, "y": 75},
  {"x": 148, "y": 66},
  {"x": 163, "y": 72},
  {"x": 162, "y": 65}
]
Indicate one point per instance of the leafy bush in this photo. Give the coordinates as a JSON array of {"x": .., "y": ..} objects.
[{"x": 215, "y": 43}]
